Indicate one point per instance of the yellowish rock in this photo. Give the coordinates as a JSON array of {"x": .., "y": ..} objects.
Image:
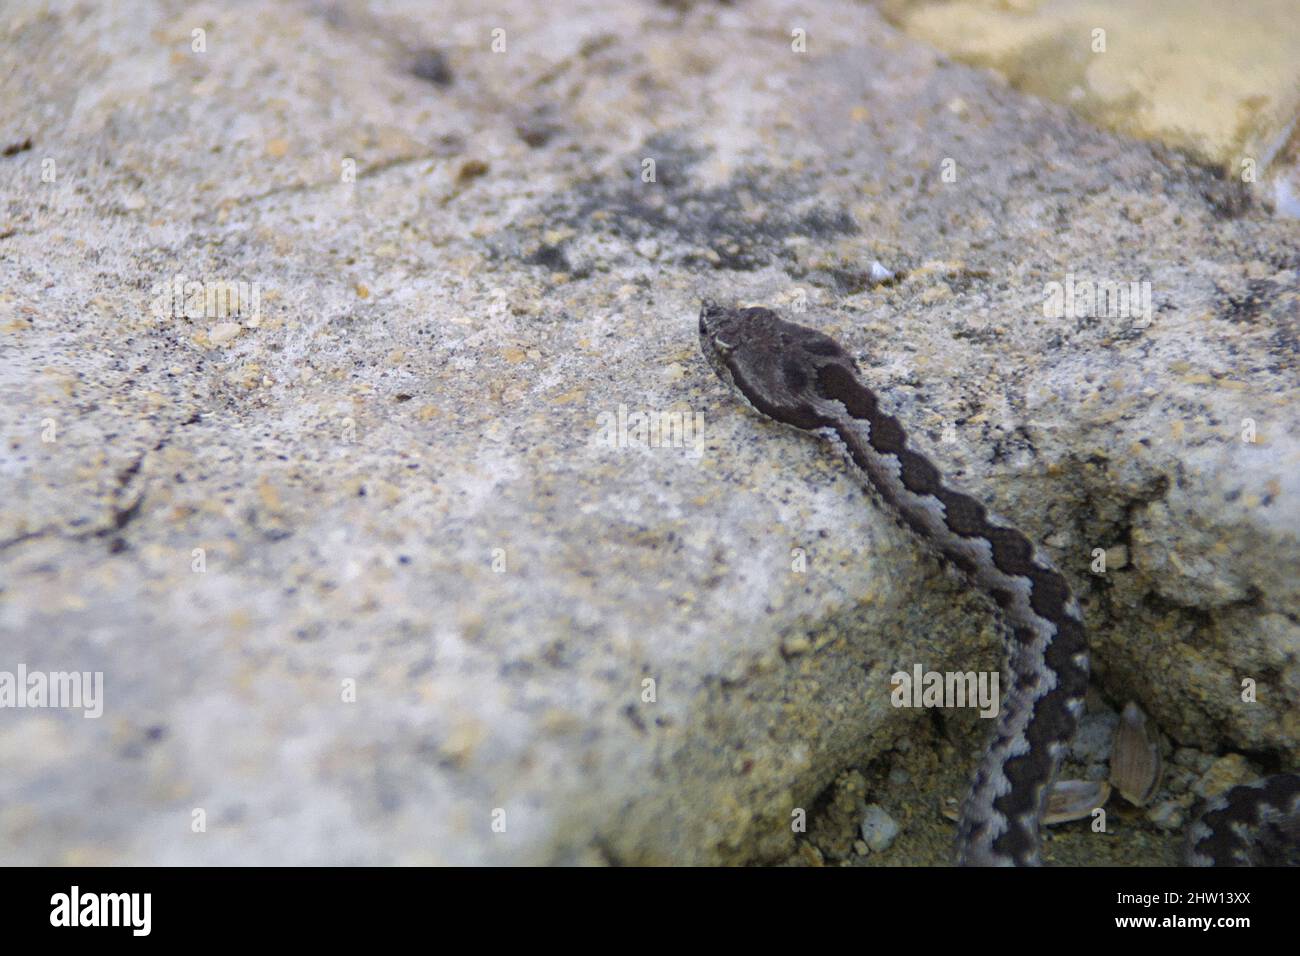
[{"x": 1218, "y": 80}]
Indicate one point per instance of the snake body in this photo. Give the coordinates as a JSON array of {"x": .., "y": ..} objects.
[{"x": 800, "y": 377}]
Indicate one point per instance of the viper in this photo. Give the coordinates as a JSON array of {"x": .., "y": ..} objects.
[{"x": 800, "y": 377}]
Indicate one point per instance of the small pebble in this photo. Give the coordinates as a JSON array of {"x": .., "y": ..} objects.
[
  {"x": 795, "y": 645},
  {"x": 878, "y": 828},
  {"x": 1224, "y": 774},
  {"x": 223, "y": 332},
  {"x": 1167, "y": 815}
]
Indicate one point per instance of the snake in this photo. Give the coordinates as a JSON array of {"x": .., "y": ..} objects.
[{"x": 800, "y": 377}]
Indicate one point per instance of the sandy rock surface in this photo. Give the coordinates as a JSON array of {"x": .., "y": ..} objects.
[{"x": 388, "y": 565}]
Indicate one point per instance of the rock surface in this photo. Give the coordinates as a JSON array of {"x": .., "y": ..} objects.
[
  {"x": 380, "y": 569},
  {"x": 1221, "y": 81}
]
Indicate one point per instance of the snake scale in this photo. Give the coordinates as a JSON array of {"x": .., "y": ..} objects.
[{"x": 800, "y": 377}]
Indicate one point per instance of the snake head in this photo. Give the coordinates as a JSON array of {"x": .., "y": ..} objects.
[{"x": 773, "y": 364}]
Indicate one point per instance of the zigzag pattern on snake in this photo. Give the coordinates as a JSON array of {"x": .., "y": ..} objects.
[{"x": 800, "y": 377}]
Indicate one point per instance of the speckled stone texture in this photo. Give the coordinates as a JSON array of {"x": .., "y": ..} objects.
[{"x": 381, "y": 570}]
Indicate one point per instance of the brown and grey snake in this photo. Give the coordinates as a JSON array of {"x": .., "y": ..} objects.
[{"x": 800, "y": 377}]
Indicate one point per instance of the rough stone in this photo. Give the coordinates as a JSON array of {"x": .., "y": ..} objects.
[{"x": 458, "y": 552}]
